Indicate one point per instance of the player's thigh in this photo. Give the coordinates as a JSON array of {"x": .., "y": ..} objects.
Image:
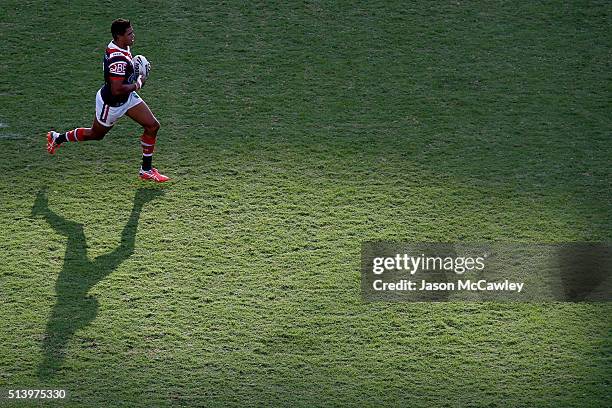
[{"x": 143, "y": 116}]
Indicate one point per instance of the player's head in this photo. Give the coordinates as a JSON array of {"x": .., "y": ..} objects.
[{"x": 123, "y": 33}]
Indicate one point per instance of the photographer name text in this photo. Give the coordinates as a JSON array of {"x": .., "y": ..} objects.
[
  {"x": 457, "y": 265},
  {"x": 466, "y": 285}
]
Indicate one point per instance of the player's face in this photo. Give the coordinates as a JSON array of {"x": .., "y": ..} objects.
[{"x": 128, "y": 37}]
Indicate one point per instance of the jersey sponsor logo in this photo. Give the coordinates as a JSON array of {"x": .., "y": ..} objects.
[
  {"x": 118, "y": 68},
  {"x": 117, "y": 54}
]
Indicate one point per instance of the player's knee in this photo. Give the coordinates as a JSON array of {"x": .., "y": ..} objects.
[
  {"x": 97, "y": 136},
  {"x": 152, "y": 128}
]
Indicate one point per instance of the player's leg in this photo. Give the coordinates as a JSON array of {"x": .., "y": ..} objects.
[
  {"x": 141, "y": 114},
  {"x": 97, "y": 131},
  {"x": 102, "y": 123}
]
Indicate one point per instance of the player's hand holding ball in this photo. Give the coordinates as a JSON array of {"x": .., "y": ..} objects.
[{"x": 142, "y": 68}]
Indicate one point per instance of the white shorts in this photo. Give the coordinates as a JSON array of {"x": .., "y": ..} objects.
[{"x": 107, "y": 115}]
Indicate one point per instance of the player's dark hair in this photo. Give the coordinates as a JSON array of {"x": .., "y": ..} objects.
[{"x": 119, "y": 26}]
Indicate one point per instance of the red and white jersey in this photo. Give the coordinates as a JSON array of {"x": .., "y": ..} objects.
[{"x": 117, "y": 67}]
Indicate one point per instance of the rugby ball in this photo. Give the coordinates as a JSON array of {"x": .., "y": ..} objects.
[{"x": 141, "y": 66}]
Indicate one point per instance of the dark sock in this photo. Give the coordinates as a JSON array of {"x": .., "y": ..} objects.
[
  {"x": 146, "y": 162},
  {"x": 60, "y": 139}
]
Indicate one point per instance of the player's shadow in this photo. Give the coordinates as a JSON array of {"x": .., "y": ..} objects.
[{"x": 74, "y": 308}]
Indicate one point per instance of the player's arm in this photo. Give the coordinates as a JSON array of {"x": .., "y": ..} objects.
[
  {"x": 119, "y": 88},
  {"x": 117, "y": 70}
]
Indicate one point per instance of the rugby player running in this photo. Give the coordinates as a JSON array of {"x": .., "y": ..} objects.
[{"x": 117, "y": 98}]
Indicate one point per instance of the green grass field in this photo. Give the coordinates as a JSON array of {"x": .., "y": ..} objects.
[{"x": 294, "y": 132}]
